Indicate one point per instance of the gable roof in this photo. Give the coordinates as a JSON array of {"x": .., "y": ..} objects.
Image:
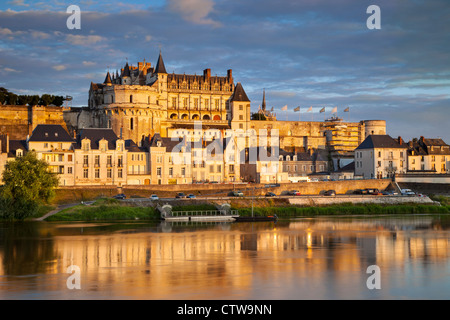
[
  {"x": 95, "y": 135},
  {"x": 50, "y": 133},
  {"x": 380, "y": 141},
  {"x": 239, "y": 94},
  {"x": 14, "y": 145}
]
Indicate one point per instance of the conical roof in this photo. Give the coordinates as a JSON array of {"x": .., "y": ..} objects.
[
  {"x": 160, "y": 67},
  {"x": 108, "y": 79},
  {"x": 239, "y": 94},
  {"x": 126, "y": 71}
]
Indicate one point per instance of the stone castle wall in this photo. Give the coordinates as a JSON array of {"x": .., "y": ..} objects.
[{"x": 20, "y": 121}]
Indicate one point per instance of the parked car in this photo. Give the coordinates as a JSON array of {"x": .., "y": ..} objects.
[
  {"x": 236, "y": 194},
  {"x": 373, "y": 192},
  {"x": 360, "y": 191},
  {"x": 408, "y": 192},
  {"x": 191, "y": 196},
  {"x": 329, "y": 193},
  {"x": 154, "y": 197},
  {"x": 389, "y": 193},
  {"x": 180, "y": 195},
  {"x": 294, "y": 193},
  {"x": 270, "y": 194},
  {"x": 120, "y": 196}
]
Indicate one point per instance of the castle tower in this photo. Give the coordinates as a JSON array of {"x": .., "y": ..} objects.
[{"x": 126, "y": 75}]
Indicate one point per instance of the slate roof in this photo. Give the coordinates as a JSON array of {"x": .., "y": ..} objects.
[
  {"x": 108, "y": 79},
  {"x": 239, "y": 94},
  {"x": 95, "y": 135},
  {"x": 301, "y": 156},
  {"x": 160, "y": 67},
  {"x": 15, "y": 145},
  {"x": 50, "y": 133},
  {"x": 380, "y": 141}
]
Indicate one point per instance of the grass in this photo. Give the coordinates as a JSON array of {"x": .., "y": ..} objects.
[
  {"x": 112, "y": 209},
  {"x": 105, "y": 209},
  {"x": 345, "y": 209}
]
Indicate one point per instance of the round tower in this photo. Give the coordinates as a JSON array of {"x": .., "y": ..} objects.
[{"x": 374, "y": 127}]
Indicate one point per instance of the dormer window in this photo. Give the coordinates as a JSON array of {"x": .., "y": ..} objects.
[
  {"x": 46, "y": 134},
  {"x": 86, "y": 145},
  {"x": 19, "y": 153}
]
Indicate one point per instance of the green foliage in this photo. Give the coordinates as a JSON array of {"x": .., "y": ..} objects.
[
  {"x": 105, "y": 212},
  {"x": 27, "y": 184},
  {"x": 348, "y": 209},
  {"x": 11, "y": 98},
  {"x": 258, "y": 116}
]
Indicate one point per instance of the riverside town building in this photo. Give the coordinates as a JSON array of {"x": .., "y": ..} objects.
[{"x": 144, "y": 125}]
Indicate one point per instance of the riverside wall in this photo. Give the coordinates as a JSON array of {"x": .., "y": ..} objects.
[{"x": 83, "y": 193}]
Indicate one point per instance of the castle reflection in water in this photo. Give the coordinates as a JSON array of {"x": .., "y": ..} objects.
[{"x": 221, "y": 260}]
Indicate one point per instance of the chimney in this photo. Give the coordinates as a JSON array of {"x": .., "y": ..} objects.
[
  {"x": 207, "y": 74},
  {"x": 400, "y": 141},
  {"x": 230, "y": 75}
]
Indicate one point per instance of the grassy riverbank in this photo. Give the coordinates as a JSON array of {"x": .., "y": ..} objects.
[
  {"x": 345, "y": 209},
  {"x": 105, "y": 209},
  {"x": 112, "y": 209}
]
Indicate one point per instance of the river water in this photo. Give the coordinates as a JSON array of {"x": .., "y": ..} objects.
[{"x": 301, "y": 258}]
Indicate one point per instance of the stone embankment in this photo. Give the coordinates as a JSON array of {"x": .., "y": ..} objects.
[{"x": 384, "y": 200}]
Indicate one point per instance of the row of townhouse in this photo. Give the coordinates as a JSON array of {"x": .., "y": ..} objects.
[
  {"x": 98, "y": 156},
  {"x": 381, "y": 156}
]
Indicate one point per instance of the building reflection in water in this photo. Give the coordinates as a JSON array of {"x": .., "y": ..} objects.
[{"x": 305, "y": 258}]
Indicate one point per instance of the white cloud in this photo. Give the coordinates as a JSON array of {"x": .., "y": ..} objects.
[
  {"x": 88, "y": 63},
  {"x": 39, "y": 35},
  {"x": 9, "y": 70},
  {"x": 196, "y": 11},
  {"x": 18, "y": 3},
  {"x": 59, "y": 67},
  {"x": 83, "y": 40}
]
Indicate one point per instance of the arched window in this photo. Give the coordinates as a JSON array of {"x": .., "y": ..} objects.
[
  {"x": 216, "y": 117},
  {"x": 206, "y": 117},
  {"x": 131, "y": 124}
]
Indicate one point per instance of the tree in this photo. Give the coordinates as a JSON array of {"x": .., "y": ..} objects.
[
  {"x": 46, "y": 99},
  {"x": 258, "y": 116},
  {"x": 27, "y": 184},
  {"x": 58, "y": 100}
]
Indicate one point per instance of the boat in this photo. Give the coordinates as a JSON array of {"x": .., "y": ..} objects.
[{"x": 256, "y": 218}]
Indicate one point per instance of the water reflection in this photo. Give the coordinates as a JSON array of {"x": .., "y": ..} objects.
[{"x": 320, "y": 258}]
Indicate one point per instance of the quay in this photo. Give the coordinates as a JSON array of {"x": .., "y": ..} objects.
[{"x": 223, "y": 214}]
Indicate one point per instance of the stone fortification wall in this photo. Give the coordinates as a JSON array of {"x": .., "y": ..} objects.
[{"x": 19, "y": 121}]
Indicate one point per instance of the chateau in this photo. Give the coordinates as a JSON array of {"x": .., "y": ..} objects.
[
  {"x": 141, "y": 118},
  {"x": 142, "y": 100}
]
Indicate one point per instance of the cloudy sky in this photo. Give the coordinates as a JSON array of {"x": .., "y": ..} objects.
[{"x": 304, "y": 53}]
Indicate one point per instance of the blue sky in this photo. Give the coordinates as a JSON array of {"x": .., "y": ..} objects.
[{"x": 306, "y": 53}]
